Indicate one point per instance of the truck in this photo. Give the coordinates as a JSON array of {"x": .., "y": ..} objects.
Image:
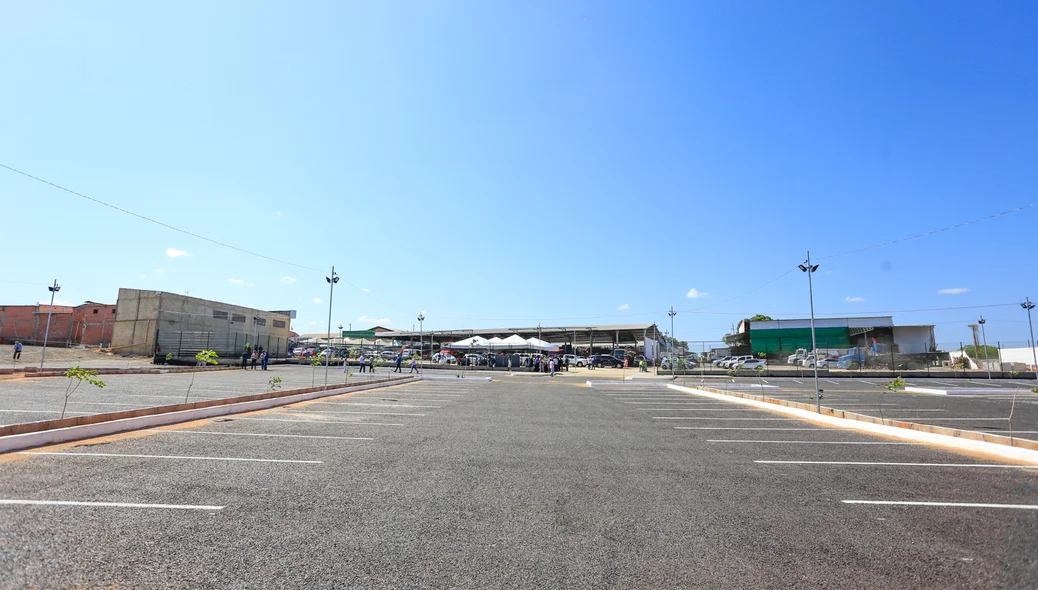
[
  {"x": 882, "y": 356},
  {"x": 801, "y": 355}
]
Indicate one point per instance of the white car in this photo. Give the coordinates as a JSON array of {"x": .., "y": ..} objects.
[
  {"x": 754, "y": 364},
  {"x": 733, "y": 363},
  {"x": 809, "y": 363},
  {"x": 577, "y": 361},
  {"x": 444, "y": 358},
  {"x": 721, "y": 361}
]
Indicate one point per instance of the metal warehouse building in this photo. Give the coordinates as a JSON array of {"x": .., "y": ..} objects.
[
  {"x": 778, "y": 337},
  {"x": 156, "y": 322}
]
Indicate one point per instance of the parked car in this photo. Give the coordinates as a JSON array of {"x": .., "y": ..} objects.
[
  {"x": 605, "y": 360},
  {"x": 444, "y": 358},
  {"x": 721, "y": 361},
  {"x": 809, "y": 362},
  {"x": 389, "y": 355},
  {"x": 734, "y": 362},
  {"x": 753, "y": 364},
  {"x": 576, "y": 361}
]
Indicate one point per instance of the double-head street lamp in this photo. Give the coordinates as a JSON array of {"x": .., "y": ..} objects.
[
  {"x": 331, "y": 291},
  {"x": 985, "y": 334},
  {"x": 53, "y": 289},
  {"x": 810, "y": 270},
  {"x": 1034, "y": 356},
  {"x": 421, "y": 338}
]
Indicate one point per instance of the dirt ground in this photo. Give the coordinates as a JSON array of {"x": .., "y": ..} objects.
[{"x": 67, "y": 357}]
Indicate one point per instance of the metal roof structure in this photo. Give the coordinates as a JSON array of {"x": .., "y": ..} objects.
[{"x": 576, "y": 335}]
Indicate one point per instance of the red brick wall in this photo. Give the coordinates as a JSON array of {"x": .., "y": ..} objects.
[{"x": 94, "y": 328}]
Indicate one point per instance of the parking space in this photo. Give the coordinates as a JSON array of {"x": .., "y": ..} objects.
[
  {"x": 522, "y": 481},
  {"x": 986, "y": 410},
  {"x": 34, "y": 399}
]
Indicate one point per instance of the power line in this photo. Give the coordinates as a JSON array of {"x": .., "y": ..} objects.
[
  {"x": 931, "y": 232},
  {"x": 184, "y": 231}
]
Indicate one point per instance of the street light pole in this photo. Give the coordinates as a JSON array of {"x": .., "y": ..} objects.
[
  {"x": 673, "y": 338},
  {"x": 810, "y": 270},
  {"x": 55, "y": 288},
  {"x": 421, "y": 339},
  {"x": 1034, "y": 356},
  {"x": 331, "y": 291},
  {"x": 985, "y": 334}
]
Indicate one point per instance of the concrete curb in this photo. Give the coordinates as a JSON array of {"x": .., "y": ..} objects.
[
  {"x": 961, "y": 440},
  {"x": 15, "y": 442}
]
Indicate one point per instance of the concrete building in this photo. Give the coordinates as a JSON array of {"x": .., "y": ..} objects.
[
  {"x": 89, "y": 324},
  {"x": 780, "y": 337},
  {"x": 155, "y": 322}
]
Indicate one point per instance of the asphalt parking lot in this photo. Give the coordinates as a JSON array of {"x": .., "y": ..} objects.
[
  {"x": 40, "y": 398},
  {"x": 521, "y": 482},
  {"x": 987, "y": 410}
]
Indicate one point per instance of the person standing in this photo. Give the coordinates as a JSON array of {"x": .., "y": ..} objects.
[
  {"x": 255, "y": 358},
  {"x": 626, "y": 362},
  {"x": 509, "y": 363},
  {"x": 17, "y": 350},
  {"x": 414, "y": 365},
  {"x": 551, "y": 366},
  {"x": 362, "y": 362},
  {"x": 399, "y": 359},
  {"x": 263, "y": 359},
  {"x": 245, "y": 361}
]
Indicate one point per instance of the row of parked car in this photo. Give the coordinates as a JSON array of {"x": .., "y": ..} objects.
[{"x": 747, "y": 361}]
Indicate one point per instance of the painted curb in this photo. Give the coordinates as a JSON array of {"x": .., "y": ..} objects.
[
  {"x": 16, "y": 442},
  {"x": 955, "y": 442}
]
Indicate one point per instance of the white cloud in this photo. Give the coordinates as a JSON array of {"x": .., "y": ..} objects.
[
  {"x": 376, "y": 321},
  {"x": 366, "y": 290},
  {"x": 174, "y": 253},
  {"x": 624, "y": 307},
  {"x": 158, "y": 271},
  {"x": 316, "y": 300},
  {"x": 288, "y": 279},
  {"x": 953, "y": 291},
  {"x": 144, "y": 276},
  {"x": 239, "y": 282},
  {"x": 312, "y": 323},
  {"x": 694, "y": 293},
  {"x": 849, "y": 299}
]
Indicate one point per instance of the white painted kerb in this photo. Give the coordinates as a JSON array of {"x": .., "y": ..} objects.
[{"x": 943, "y": 440}]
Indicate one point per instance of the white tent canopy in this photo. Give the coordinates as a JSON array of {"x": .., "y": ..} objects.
[
  {"x": 469, "y": 343},
  {"x": 538, "y": 344}
]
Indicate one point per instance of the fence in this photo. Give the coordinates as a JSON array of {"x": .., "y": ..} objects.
[{"x": 185, "y": 344}]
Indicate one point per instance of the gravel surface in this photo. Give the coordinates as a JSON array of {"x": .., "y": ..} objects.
[{"x": 531, "y": 483}]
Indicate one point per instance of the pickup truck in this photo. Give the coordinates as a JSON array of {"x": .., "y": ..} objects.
[{"x": 882, "y": 356}]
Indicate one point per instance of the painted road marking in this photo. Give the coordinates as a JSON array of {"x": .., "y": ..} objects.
[
  {"x": 947, "y": 504},
  {"x": 869, "y": 382},
  {"x": 405, "y": 399},
  {"x": 698, "y": 409},
  {"x": 375, "y": 405},
  {"x": 961, "y": 419},
  {"x": 725, "y": 419},
  {"x": 46, "y": 412},
  {"x": 265, "y": 434},
  {"x": 362, "y": 413},
  {"x": 358, "y": 422},
  {"x": 831, "y": 381},
  {"x": 107, "y": 504},
  {"x": 798, "y": 381},
  {"x": 127, "y": 456},
  {"x": 811, "y": 442},
  {"x": 740, "y": 428},
  {"x": 659, "y": 403},
  {"x": 888, "y": 464},
  {"x": 1007, "y": 432}
]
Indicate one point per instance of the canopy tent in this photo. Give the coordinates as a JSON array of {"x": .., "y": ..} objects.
[
  {"x": 538, "y": 344},
  {"x": 515, "y": 342},
  {"x": 470, "y": 343}
]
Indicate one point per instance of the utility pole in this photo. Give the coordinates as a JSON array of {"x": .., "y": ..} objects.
[
  {"x": 673, "y": 338},
  {"x": 810, "y": 270},
  {"x": 331, "y": 291},
  {"x": 421, "y": 339},
  {"x": 985, "y": 334},
  {"x": 1034, "y": 356},
  {"x": 55, "y": 288}
]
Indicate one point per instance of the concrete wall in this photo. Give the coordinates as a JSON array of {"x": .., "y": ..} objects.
[
  {"x": 183, "y": 325},
  {"x": 914, "y": 339}
]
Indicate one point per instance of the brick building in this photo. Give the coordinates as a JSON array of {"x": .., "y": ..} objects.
[{"x": 89, "y": 324}]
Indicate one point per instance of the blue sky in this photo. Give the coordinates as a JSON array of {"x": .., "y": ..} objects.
[{"x": 561, "y": 162}]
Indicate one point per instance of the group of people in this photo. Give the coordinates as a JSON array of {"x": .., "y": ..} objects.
[
  {"x": 254, "y": 356},
  {"x": 547, "y": 364}
]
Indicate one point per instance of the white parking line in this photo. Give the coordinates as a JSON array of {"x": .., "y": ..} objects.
[
  {"x": 403, "y": 399},
  {"x": 355, "y": 422},
  {"x": 355, "y": 413},
  {"x": 55, "y": 453},
  {"x": 963, "y": 419},
  {"x": 798, "y": 381},
  {"x": 1006, "y": 432},
  {"x": 45, "y": 412},
  {"x": 944, "y": 504},
  {"x": 101, "y": 404},
  {"x": 698, "y": 409},
  {"x": 831, "y": 381},
  {"x": 889, "y": 410},
  {"x": 265, "y": 434},
  {"x": 374, "y": 405},
  {"x": 811, "y": 442},
  {"x": 107, "y": 504},
  {"x": 888, "y": 464},
  {"x": 659, "y": 403},
  {"x": 724, "y": 419},
  {"x": 742, "y": 428}
]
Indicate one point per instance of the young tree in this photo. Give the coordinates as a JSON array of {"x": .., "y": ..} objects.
[
  {"x": 315, "y": 361},
  {"x": 274, "y": 384},
  {"x": 76, "y": 377},
  {"x": 202, "y": 358}
]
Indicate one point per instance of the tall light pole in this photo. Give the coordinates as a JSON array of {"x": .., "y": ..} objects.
[
  {"x": 1028, "y": 306},
  {"x": 421, "y": 339},
  {"x": 331, "y": 291},
  {"x": 674, "y": 338},
  {"x": 810, "y": 270},
  {"x": 55, "y": 288},
  {"x": 984, "y": 333}
]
